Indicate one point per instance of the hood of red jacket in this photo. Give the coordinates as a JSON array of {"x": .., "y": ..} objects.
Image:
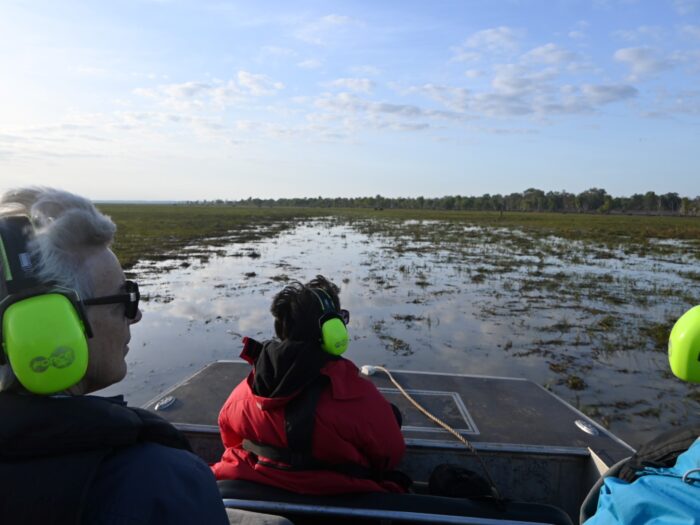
[{"x": 283, "y": 368}]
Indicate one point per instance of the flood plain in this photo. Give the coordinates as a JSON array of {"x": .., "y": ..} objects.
[{"x": 587, "y": 319}]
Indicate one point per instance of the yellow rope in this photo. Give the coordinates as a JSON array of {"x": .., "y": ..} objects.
[{"x": 441, "y": 423}]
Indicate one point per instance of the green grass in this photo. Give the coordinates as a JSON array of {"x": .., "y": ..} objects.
[{"x": 569, "y": 226}]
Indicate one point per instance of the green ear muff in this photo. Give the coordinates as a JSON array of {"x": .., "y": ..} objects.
[
  {"x": 334, "y": 334},
  {"x": 44, "y": 330},
  {"x": 684, "y": 346},
  {"x": 44, "y": 340}
]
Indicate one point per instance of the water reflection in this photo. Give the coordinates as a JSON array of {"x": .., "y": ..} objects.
[{"x": 460, "y": 299}]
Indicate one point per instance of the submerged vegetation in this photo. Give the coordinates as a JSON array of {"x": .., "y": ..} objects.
[{"x": 155, "y": 231}]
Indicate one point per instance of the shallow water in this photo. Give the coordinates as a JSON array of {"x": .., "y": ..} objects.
[{"x": 441, "y": 297}]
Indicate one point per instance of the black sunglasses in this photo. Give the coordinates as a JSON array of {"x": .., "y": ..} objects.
[
  {"x": 130, "y": 299},
  {"x": 345, "y": 316}
]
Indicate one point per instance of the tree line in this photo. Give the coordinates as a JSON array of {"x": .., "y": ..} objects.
[{"x": 594, "y": 200}]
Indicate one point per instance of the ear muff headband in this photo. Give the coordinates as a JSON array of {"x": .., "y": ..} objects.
[
  {"x": 43, "y": 329},
  {"x": 334, "y": 334}
]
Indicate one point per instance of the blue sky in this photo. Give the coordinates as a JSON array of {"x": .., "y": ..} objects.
[{"x": 164, "y": 100}]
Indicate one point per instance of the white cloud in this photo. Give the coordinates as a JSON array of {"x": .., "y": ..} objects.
[
  {"x": 606, "y": 94},
  {"x": 640, "y": 33},
  {"x": 278, "y": 51},
  {"x": 186, "y": 89},
  {"x": 311, "y": 63},
  {"x": 183, "y": 96},
  {"x": 512, "y": 79},
  {"x": 226, "y": 94},
  {"x": 454, "y": 98},
  {"x": 366, "y": 70},
  {"x": 363, "y": 85},
  {"x": 216, "y": 94},
  {"x": 352, "y": 104},
  {"x": 519, "y": 92},
  {"x": 668, "y": 104},
  {"x": 336, "y": 20},
  {"x": 685, "y": 7},
  {"x": 268, "y": 129},
  {"x": 91, "y": 71},
  {"x": 463, "y": 55},
  {"x": 495, "y": 40},
  {"x": 258, "y": 85},
  {"x": 691, "y": 58},
  {"x": 319, "y": 30},
  {"x": 686, "y": 102},
  {"x": 579, "y": 30},
  {"x": 549, "y": 54},
  {"x": 642, "y": 61},
  {"x": 691, "y": 30},
  {"x": 473, "y": 73}
]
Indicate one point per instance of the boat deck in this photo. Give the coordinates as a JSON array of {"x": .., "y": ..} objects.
[
  {"x": 491, "y": 412},
  {"x": 537, "y": 447}
]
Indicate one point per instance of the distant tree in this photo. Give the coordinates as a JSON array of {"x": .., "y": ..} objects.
[
  {"x": 592, "y": 199},
  {"x": 650, "y": 201},
  {"x": 607, "y": 205},
  {"x": 685, "y": 206},
  {"x": 669, "y": 202},
  {"x": 533, "y": 200}
]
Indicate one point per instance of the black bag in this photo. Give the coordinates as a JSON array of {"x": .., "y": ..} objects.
[{"x": 660, "y": 452}]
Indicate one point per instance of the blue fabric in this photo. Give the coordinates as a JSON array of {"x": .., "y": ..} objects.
[
  {"x": 152, "y": 484},
  {"x": 657, "y": 497}
]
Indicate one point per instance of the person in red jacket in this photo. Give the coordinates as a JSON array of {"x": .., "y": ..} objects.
[{"x": 304, "y": 420}]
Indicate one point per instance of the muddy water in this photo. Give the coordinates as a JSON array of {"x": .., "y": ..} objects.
[{"x": 440, "y": 297}]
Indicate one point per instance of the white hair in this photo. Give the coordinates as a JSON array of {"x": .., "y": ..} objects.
[{"x": 67, "y": 229}]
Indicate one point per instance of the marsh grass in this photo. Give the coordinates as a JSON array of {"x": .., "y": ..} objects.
[{"x": 658, "y": 334}]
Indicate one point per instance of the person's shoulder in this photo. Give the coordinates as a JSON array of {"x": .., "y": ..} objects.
[
  {"x": 342, "y": 364},
  {"x": 152, "y": 483},
  {"x": 346, "y": 381},
  {"x": 148, "y": 457}
]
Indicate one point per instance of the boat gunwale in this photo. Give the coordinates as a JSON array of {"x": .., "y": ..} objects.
[
  {"x": 276, "y": 507},
  {"x": 212, "y": 430}
]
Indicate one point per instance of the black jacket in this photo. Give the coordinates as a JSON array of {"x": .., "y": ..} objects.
[{"x": 73, "y": 460}]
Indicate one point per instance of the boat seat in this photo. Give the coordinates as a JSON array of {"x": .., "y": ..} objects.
[{"x": 406, "y": 508}]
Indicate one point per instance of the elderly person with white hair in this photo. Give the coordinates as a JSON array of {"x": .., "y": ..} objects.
[{"x": 67, "y": 311}]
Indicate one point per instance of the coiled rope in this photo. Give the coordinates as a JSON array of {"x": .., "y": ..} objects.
[{"x": 370, "y": 369}]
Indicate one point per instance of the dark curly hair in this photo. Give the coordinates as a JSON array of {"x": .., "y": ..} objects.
[{"x": 296, "y": 309}]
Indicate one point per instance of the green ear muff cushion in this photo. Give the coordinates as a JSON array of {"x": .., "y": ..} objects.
[
  {"x": 45, "y": 343},
  {"x": 334, "y": 336},
  {"x": 684, "y": 346}
]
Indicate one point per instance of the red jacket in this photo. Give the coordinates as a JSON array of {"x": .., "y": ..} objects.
[{"x": 354, "y": 423}]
